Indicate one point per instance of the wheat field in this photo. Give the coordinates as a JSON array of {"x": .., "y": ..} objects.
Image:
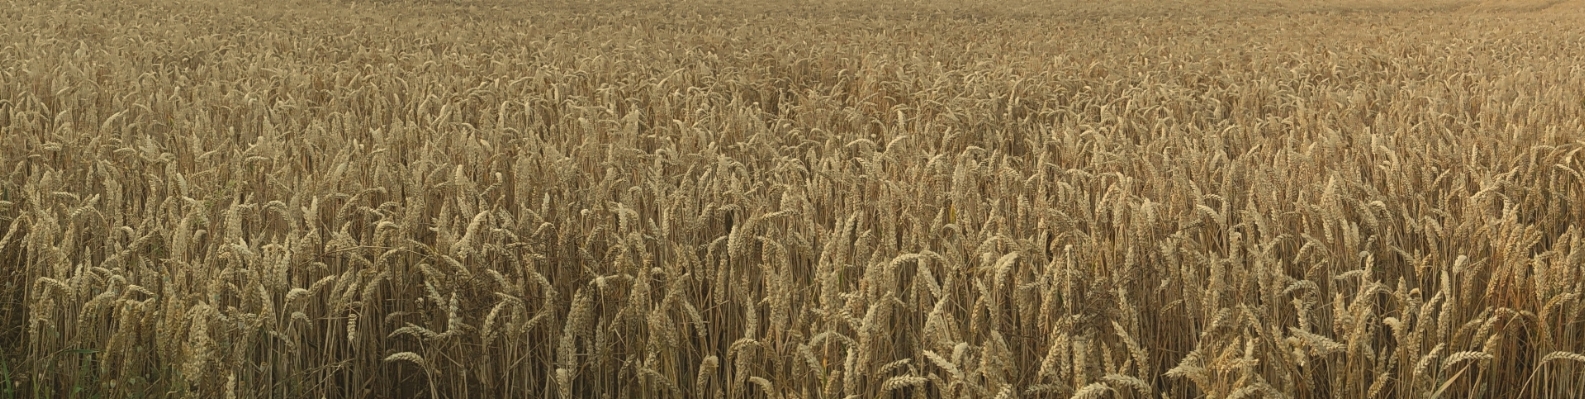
[{"x": 815, "y": 199}]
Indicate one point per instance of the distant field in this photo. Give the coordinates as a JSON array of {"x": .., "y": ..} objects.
[{"x": 815, "y": 199}]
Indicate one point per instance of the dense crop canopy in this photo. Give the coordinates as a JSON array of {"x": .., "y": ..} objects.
[{"x": 815, "y": 200}]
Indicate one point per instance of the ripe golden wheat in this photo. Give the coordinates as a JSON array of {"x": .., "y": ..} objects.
[{"x": 816, "y": 200}]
